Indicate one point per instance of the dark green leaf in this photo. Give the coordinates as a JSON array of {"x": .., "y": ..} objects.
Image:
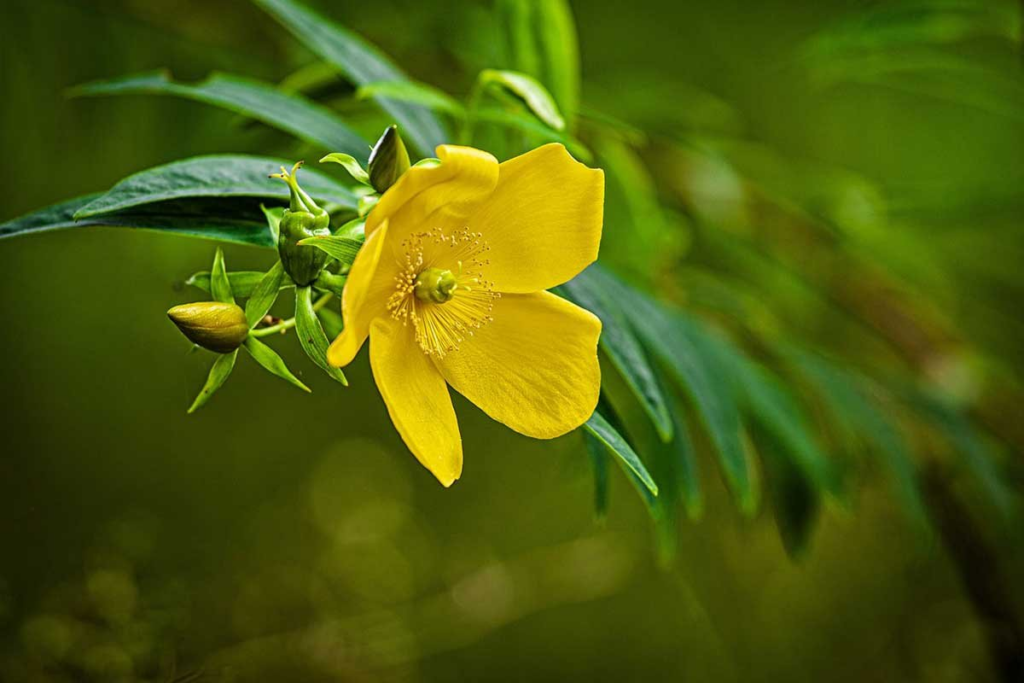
[
  {"x": 234, "y": 226},
  {"x": 623, "y": 349},
  {"x": 331, "y": 282},
  {"x": 214, "y": 176},
  {"x": 264, "y": 295},
  {"x": 271, "y": 362},
  {"x": 343, "y": 249},
  {"x": 794, "y": 500},
  {"x": 530, "y": 91},
  {"x": 219, "y": 373},
  {"x": 600, "y": 428},
  {"x": 291, "y": 113},
  {"x": 413, "y": 92},
  {"x": 361, "y": 62},
  {"x": 311, "y": 335},
  {"x": 220, "y": 285},
  {"x": 273, "y": 216}
]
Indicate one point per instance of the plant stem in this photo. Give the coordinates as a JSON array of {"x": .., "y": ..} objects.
[{"x": 288, "y": 324}]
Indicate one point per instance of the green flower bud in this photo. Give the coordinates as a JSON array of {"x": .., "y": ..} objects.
[
  {"x": 213, "y": 325},
  {"x": 388, "y": 160},
  {"x": 301, "y": 220}
]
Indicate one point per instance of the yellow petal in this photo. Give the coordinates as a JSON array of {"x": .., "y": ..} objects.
[
  {"x": 370, "y": 283},
  {"x": 534, "y": 367},
  {"x": 417, "y": 399},
  {"x": 543, "y": 220},
  {"x": 442, "y": 196}
]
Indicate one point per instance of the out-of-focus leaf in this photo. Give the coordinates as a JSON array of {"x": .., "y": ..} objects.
[
  {"x": 530, "y": 91},
  {"x": 229, "y": 226},
  {"x": 601, "y": 429},
  {"x": 354, "y": 230},
  {"x": 243, "y": 282},
  {"x": 311, "y": 335},
  {"x": 220, "y": 285},
  {"x": 332, "y": 322},
  {"x": 413, "y": 92},
  {"x": 599, "y": 460},
  {"x": 213, "y": 176},
  {"x": 350, "y": 164},
  {"x": 541, "y": 42},
  {"x": 343, "y": 249},
  {"x": 526, "y": 123},
  {"x": 794, "y": 500},
  {"x": 291, "y": 113},
  {"x": 271, "y": 362},
  {"x": 779, "y": 416},
  {"x": 273, "y": 216},
  {"x": 620, "y": 344},
  {"x": 361, "y": 62},
  {"x": 219, "y": 374},
  {"x": 691, "y": 357},
  {"x": 264, "y": 295},
  {"x": 864, "y": 423}
]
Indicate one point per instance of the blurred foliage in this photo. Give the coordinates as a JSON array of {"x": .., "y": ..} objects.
[{"x": 808, "y": 284}]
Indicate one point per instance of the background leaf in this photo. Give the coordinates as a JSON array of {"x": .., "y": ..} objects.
[
  {"x": 263, "y": 102},
  {"x": 361, "y": 62},
  {"x": 601, "y": 429},
  {"x": 530, "y": 90}
]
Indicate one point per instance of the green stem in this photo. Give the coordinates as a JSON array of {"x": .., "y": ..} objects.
[{"x": 288, "y": 324}]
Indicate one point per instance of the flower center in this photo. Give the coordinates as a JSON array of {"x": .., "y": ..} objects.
[{"x": 442, "y": 291}]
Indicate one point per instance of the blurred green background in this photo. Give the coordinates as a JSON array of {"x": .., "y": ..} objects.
[{"x": 277, "y": 536}]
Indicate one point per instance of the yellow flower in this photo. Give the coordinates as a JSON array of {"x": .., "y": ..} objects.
[{"x": 449, "y": 287}]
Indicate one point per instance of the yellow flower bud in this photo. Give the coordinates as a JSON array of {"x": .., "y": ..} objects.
[{"x": 213, "y": 325}]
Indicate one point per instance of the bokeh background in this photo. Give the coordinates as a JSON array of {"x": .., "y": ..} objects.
[{"x": 276, "y": 536}]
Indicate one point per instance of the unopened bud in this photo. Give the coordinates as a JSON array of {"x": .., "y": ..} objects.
[
  {"x": 213, "y": 325},
  {"x": 388, "y": 160}
]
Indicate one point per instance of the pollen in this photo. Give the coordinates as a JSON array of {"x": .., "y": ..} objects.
[{"x": 441, "y": 290}]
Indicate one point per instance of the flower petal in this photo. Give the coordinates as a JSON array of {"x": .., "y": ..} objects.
[
  {"x": 370, "y": 283},
  {"x": 543, "y": 220},
  {"x": 417, "y": 399},
  {"x": 534, "y": 367},
  {"x": 444, "y": 195}
]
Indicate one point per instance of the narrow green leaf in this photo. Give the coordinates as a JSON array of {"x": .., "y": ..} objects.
[
  {"x": 271, "y": 362},
  {"x": 343, "y": 249},
  {"x": 243, "y": 282},
  {"x": 290, "y": 112},
  {"x": 350, "y": 164},
  {"x": 332, "y": 322},
  {"x": 361, "y": 62},
  {"x": 624, "y": 351},
  {"x": 599, "y": 460},
  {"x": 215, "y": 176},
  {"x": 311, "y": 334},
  {"x": 219, "y": 373},
  {"x": 264, "y": 295},
  {"x": 600, "y": 428},
  {"x": 527, "y": 123},
  {"x": 413, "y": 92},
  {"x": 691, "y": 357},
  {"x": 794, "y": 499},
  {"x": 221, "y": 222},
  {"x": 355, "y": 229},
  {"x": 863, "y": 423},
  {"x": 530, "y": 91},
  {"x": 220, "y": 285}
]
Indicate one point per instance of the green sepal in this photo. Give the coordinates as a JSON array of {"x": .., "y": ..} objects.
[
  {"x": 341, "y": 248},
  {"x": 350, "y": 164},
  {"x": 264, "y": 295},
  {"x": 388, "y": 160},
  {"x": 311, "y": 335},
  {"x": 243, "y": 282},
  {"x": 220, "y": 285},
  {"x": 219, "y": 373},
  {"x": 271, "y": 362},
  {"x": 331, "y": 282}
]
